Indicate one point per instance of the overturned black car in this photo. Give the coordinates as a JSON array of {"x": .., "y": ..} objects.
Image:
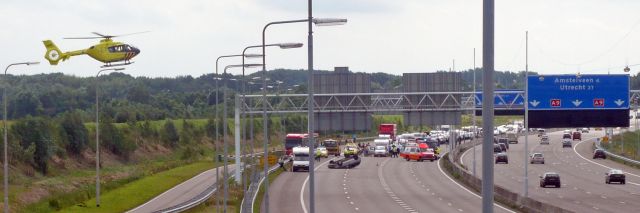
[{"x": 345, "y": 163}]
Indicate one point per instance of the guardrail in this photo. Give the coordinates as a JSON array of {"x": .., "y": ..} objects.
[
  {"x": 610, "y": 154},
  {"x": 197, "y": 200},
  {"x": 253, "y": 191},
  {"x": 501, "y": 194}
]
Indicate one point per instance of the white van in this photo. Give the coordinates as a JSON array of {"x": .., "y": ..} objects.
[{"x": 300, "y": 158}]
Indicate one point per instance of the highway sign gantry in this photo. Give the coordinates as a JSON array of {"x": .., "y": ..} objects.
[
  {"x": 570, "y": 92},
  {"x": 578, "y": 101}
]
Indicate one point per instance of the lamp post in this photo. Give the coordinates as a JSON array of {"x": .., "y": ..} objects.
[
  {"x": 488, "y": 38},
  {"x": 98, "y": 135},
  {"x": 281, "y": 46},
  {"x": 218, "y": 118},
  {"x": 4, "y": 123},
  {"x": 526, "y": 116},
  {"x": 224, "y": 130},
  {"x": 475, "y": 128},
  {"x": 310, "y": 20}
]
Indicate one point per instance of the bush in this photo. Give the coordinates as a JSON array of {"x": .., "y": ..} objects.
[
  {"x": 75, "y": 133},
  {"x": 169, "y": 134},
  {"x": 34, "y": 133}
]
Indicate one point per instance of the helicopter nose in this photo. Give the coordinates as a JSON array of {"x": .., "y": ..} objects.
[{"x": 136, "y": 51}]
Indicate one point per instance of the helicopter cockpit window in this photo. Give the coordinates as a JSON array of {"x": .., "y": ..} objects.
[{"x": 119, "y": 48}]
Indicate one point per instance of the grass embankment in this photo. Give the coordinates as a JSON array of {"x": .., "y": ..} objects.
[
  {"x": 625, "y": 145},
  {"x": 235, "y": 197},
  {"x": 138, "y": 192}
]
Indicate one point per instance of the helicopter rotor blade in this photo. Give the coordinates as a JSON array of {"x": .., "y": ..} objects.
[
  {"x": 128, "y": 34},
  {"x": 102, "y": 35},
  {"x": 82, "y": 37}
]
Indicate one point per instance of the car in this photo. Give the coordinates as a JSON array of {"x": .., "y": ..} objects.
[
  {"x": 504, "y": 141},
  {"x": 585, "y": 130},
  {"x": 577, "y": 135},
  {"x": 566, "y": 143},
  {"x": 512, "y": 137},
  {"x": 502, "y": 157},
  {"x": 497, "y": 148},
  {"x": 566, "y": 135},
  {"x": 420, "y": 153},
  {"x": 322, "y": 151},
  {"x": 537, "y": 158},
  {"x": 550, "y": 178},
  {"x": 544, "y": 139},
  {"x": 380, "y": 151},
  {"x": 541, "y": 132},
  {"x": 614, "y": 175},
  {"x": 599, "y": 153},
  {"x": 503, "y": 147}
]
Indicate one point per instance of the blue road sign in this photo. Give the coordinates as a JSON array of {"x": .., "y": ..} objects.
[
  {"x": 586, "y": 92},
  {"x": 503, "y": 98}
]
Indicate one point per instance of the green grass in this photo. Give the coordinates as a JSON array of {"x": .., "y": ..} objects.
[
  {"x": 630, "y": 146},
  {"x": 142, "y": 190}
]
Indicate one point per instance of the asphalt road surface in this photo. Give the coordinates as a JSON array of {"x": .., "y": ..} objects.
[
  {"x": 583, "y": 178},
  {"x": 182, "y": 192},
  {"x": 376, "y": 185}
]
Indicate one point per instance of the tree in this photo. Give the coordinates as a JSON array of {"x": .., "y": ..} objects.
[
  {"x": 76, "y": 134},
  {"x": 32, "y": 131},
  {"x": 113, "y": 138},
  {"x": 169, "y": 133}
]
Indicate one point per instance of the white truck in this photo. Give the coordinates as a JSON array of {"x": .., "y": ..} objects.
[
  {"x": 300, "y": 158},
  {"x": 381, "y": 147}
]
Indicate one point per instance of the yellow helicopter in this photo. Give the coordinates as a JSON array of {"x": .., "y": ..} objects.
[{"x": 107, "y": 51}]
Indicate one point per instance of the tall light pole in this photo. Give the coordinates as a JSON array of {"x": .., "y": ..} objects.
[
  {"x": 310, "y": 20},
  {"x": 4, "y": 123},
  {"x": 281, "y": 46},
  {"x": 219, "y": 119},
  {"x": 526, "y": 116},
  {"x": 487, "y": 103},
  {"x": 224, "y": 130},
  {"x": 98, "y": 135},
  {"x": 627, "y": 69},
  {"x": 475, "y": 128}
]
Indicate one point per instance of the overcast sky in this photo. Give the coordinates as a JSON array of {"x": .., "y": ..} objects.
[{"x": 392, "y": 36}]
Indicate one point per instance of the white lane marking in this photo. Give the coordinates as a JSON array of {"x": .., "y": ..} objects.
[
  {"x": 462, "y": 157},
  {"x": 304, "y": 207},
  {"x": 470, "y": 192},
  {"x": 386, "y": 187},
  {"x": 576, "y": 151}
]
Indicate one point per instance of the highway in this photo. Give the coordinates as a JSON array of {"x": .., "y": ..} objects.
[
  {"x": 376, "y": 185},
  {"x": 583, "y": 188},
  {"x": 183, "y": 192}
]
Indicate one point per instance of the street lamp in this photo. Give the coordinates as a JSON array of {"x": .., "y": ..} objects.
[
  {"x": 224, "y": 130},
  {"x": 98, "y": 136},
  {"x": 317, "y": 22},
  {"x": 4, "y": 123},
  {"x": 281, "y": 46}
]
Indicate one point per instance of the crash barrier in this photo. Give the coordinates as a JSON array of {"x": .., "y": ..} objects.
[
  {"x": 502, "y": 195},
  {"x": 624, "y": 160},
  {"x": 195, "y": 201},
  {"x": 248, "y": 202}
]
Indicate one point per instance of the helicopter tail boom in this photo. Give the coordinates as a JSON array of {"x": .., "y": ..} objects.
[{"x": 54, "y": 55}]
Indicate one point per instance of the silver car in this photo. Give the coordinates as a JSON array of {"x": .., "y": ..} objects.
[{"x": 537, "y": 158}]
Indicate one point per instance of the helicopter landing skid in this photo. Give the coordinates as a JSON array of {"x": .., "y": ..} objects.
[{"x": 107, "y": 65}]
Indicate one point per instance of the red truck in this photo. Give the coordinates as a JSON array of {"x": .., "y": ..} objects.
[
  {"x": 296, "y": 139},
  {"x": 388, "y": 129}
]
